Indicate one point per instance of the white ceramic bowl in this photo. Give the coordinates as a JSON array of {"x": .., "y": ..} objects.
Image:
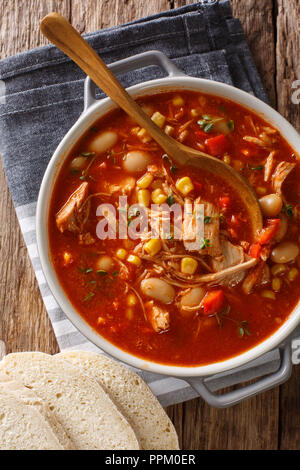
[{"x": 94, "y": 112}]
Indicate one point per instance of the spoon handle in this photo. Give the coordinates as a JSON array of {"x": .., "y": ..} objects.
[{"x": 61, "y": 33}]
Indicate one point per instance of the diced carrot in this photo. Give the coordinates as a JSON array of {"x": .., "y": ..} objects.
[
  {"x": 268, "y": 231},
  {"x": 212, "y": 302},
  {"x": 224, "y": 202},
  {"x": 255, "y": 250},
  {"x": 217, "y": 145}
]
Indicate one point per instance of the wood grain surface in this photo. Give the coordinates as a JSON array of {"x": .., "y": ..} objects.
[{"x": 269, "y": 421}]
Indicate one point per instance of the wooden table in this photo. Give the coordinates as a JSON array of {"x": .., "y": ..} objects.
[{"x": 269, "y": 421}]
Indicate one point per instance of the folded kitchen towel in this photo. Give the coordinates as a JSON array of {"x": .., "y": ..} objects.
[{"x": 43, "y": 97}]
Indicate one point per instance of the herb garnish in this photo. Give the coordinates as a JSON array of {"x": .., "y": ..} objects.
[
  {"x": 242, "y": 326},
  {"x": 230, "y": 125},
  {"x": 87, "y": 154},
  {"x": 170, "y": 199},
  {"x": 173, "y": 168},
  {"x": 207, "y": 122},
  {"x": 89, "y": 296},
  {"x": 135, "y": 213},
  {"x": 205, "y": 243},
  {"x": 256, "y": 168},
  {"x": 207, "y": 219},
  {"x": 102, "y": 272},
  {"x": 288, "y": 210}
]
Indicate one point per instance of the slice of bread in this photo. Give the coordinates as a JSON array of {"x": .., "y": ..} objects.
[
  {"x": 89, "y": 417},
  {"x": 17, "y": 390},
  {"x": 22, "y": 427},
  {"x": 133, "y": 397}
]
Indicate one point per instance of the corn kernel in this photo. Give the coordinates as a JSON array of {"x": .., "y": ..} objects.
[
  {"x": 185, "y": 185},
  {"x": 133, "y": 259},
  {"x": 268, "y": 294},
  {"x": 293, "y": 274},
  {"x": 169, "y": 130},
  {"x": 144, "y": 181},
  {"x": 227, "y": 159},
  {"x": 129, "y": 313},
  {"x": 144, "y": 136},
  {"x": 153, "y": 246},
  {"x": 158, "y": 119},
  {"x": 131, "y": 300},
  {"x": 144, "y": 197},
  {"x": 158, "y": 197},
  {"x": 121, "y": 253},
  {"x": 261, "y": 190},
  {"x": 278, "y": 269},
  {"x": 276, "y": 284},
  {"x": 178, "y": 101},
  {"x": 188, "y": 265},
  {"x": 195, "y": 112}
]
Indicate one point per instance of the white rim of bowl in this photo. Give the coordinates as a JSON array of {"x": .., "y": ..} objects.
[{"x": 95, "y": 112}]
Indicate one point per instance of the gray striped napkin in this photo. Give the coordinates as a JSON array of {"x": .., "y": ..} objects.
[{"x": 44, "y": 97}]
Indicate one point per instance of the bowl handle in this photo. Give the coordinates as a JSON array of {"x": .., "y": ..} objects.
[
  {"x": 236, "y": 396},
  {"x": 132, "y": 63}
]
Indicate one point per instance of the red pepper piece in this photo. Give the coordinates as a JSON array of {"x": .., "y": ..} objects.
[
  {"x": 255, "y": 250},
  {"x": 268, "y": 231},
  {"x": 217, "y": 145},
  {"x": 212, "y": 302}
]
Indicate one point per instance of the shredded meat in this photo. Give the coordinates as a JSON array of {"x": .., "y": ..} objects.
[
  {"x": 233, "y": 255},
  {"x": 157, "y": 316},
  {"x": 212, "y": 246},
  {"x": 282, "y": 171},
  {"x": 269, "y": 166},
  {"x": 75, "y": 212},
  {"x": 254, "y": 277},
  {"x": 86, "y": 239}
]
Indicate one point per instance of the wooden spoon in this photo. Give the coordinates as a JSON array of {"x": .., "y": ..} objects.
[{"x": 60, "y": 32}]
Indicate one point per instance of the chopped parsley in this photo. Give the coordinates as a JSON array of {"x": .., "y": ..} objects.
[
  {"x": 170, "y": 199},
  {"x": 288, "y": 210},
  {"x": 207, "y": 219},
  {"x": 102, "y": 272},
  {"x": 87, "y": 154},
  {"x": 230, "y": 125},
  {"x": 242, "y": 326},
  {"x": 89, "y": 296},
  {"x": 257, "y": 168},
  {"x": 205, "y": 243},
  {"x": 207, "y": 122},
  {"x": 173, "y": 168}
]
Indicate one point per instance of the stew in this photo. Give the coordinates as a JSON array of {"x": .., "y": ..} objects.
[{"x": 162, "y": 297}]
